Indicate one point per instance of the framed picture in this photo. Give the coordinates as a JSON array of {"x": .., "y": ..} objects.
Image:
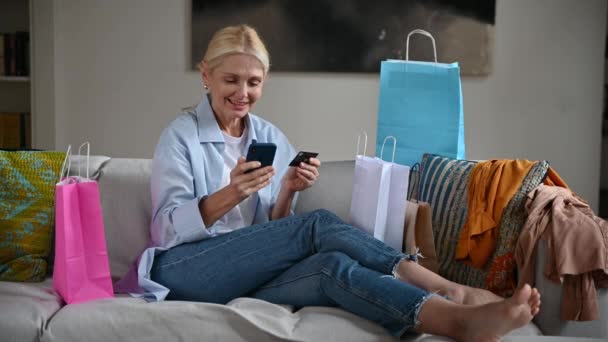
[{"x": 354, "y": 35}]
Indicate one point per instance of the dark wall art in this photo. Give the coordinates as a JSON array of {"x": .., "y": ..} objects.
[{"x": 355, "y": 35}]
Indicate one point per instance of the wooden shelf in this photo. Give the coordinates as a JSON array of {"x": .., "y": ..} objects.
[{"x": 14, "y": 79}]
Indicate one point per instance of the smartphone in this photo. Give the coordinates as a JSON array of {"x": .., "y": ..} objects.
[
  {"x": 302, "y": 157},
  {"x": 262, "y": 152}
]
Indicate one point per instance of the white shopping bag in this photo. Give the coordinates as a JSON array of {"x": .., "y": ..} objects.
[
  {"x": 397, "y": 200},
  {"x": 379, "y": 197}
]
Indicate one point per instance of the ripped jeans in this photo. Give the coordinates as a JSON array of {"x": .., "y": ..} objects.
[{"x": 314, "y": 259}]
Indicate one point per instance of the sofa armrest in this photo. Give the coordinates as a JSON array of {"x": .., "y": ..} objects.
[
  {"x": 548, "y": 319},
  {"x": 333, "y": 192}
]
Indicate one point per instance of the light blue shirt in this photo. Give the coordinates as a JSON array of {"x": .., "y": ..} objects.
[{"x": 187, "y": 167}]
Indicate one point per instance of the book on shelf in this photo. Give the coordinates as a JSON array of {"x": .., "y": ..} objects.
[
  {"x": 2, "y": 72},
  {"x": 22, "y": 42},
  {"x": 15, "y": 131},
  {"x": 15, "y": 54}
]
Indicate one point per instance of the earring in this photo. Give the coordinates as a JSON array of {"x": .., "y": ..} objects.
[{"x": 205, "y": 86}]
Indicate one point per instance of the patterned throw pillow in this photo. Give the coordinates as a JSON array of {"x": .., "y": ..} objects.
[
  {"x": 444, "y": 185},
  {"x": 27, "y": 212}
]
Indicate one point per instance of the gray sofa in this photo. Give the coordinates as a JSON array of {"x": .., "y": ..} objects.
[{"x": 34, "y": 312}]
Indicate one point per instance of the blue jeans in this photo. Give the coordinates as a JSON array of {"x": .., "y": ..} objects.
[{"x": 313, "y": 259}]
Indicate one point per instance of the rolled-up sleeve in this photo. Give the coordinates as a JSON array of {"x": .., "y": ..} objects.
[{"x": 176, "y": 215}]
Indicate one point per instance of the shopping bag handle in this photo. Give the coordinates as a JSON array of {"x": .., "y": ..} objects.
[
  {"x": 66, "y": 161},
  {"x": 359, "y": 142},
  {"x": 424, "y": 33},
  {"x": 415, "y": 168},
  {"x": 88, "y": 145},
  {"x": 394, "y": 147}
]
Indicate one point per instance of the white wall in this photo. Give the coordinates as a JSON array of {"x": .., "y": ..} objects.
[
  {"x": 121, "y": 73},
  {"x": 42, "y": 61}
]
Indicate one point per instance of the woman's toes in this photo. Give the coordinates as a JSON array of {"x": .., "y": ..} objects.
[
  {"x": 535, "y": 311},
  {"x": 523, "y": 295}
]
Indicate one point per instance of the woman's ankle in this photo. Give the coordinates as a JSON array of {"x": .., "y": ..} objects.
[
  {"x": 452, "y": 322},
  {"x": 455, "y": 293}
]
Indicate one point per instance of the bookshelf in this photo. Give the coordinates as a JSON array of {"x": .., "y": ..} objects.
[
  {"x": 14, "y": 79},
  {"x": 15, "y": 82}
]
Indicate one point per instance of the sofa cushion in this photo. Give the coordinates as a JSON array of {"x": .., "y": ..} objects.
[
  {"x": 25, "y": 309},
  {"x": 332, "y": 191},
  {"x": 124, "y": 187},
  {"x": 549, "y": 320},
  {"x": 81, "y": 166},
  {"x": 444, "y": 185},
  {"x": 243, "y": 319},
  {"x": 27, "y": 197}
]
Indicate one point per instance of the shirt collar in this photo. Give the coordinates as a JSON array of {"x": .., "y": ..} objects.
[{"x": 208, "y": 128}]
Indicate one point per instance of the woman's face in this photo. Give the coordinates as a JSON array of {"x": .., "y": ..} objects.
[{"x": 234, "y": 85}]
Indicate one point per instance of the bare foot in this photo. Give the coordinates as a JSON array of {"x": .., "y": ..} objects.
[
  {"x": 474, "y": 296},
  {"x": 414, "y": 274},
  {"x": 535, "y": 302},
  {"x": 491, "y": 321},
  {"x": 467, "y": 295}
]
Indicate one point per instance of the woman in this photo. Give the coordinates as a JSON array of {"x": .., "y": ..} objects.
[{"x": 220, "y": 233}]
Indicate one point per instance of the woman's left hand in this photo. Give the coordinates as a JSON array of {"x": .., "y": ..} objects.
[{"x": 301, "y": 177}]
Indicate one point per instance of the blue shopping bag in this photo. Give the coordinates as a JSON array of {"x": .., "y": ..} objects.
[{"x": 420, "y": 103}]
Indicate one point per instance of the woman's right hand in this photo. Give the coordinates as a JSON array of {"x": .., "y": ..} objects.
[
  {"x": 241, "y": 186},
  {"x": 247, "y": 183}
]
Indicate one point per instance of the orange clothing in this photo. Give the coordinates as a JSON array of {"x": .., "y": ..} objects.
[
  {"x": 492, "y": 185},
  {"x": 576, "y": 249},
  {"x": 553, "y": 179}
]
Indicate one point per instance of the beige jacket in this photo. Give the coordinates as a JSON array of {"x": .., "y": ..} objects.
[{"x": 577, "y": 248}]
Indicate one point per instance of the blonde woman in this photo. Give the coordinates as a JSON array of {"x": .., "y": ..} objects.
[{"x": 219, "y": 233}]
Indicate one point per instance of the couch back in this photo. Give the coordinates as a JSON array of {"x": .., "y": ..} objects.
[{"x": 124, "y": 186}]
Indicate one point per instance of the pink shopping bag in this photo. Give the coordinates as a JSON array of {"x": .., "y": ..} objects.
[{"x": 81, "y": 269}]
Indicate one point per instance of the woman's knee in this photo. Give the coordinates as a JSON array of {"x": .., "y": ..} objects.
[
  {"x": 334, "y": 261},
  {"x": 326, "y": 215}
]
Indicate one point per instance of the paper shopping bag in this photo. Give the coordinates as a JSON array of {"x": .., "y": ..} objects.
[
  {"x": 418, "y": 235},
  {"x": 409, "y": 230},
  {"x": 425, "y": 239},
  {"x": 81, "y": 269},
  {"x": 379, "y": 199},
  {"x": 397, "y": 200},
  {"x": 420, "y": 103},
  {"x": 369, "y": 201}
]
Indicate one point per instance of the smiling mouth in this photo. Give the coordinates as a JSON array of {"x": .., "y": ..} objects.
[{"x": 238, "y": 103}]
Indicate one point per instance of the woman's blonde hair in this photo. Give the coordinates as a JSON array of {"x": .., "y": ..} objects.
[{"x": 235, "y": 39}]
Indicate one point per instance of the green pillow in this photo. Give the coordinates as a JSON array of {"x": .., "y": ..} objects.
[
  {"x": 27, "y": 212},
  {"x": 444, "y": 185}
]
